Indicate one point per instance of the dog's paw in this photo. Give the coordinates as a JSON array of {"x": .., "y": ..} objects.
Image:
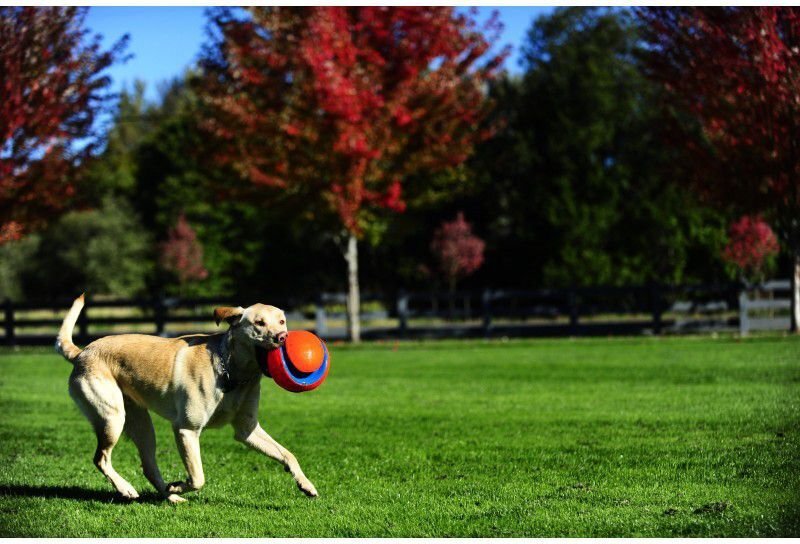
[
  {"x": 177, "y": 488},
  {"x": 128, "y": 493},
  {"x": 308, "y": 488},
  {"x": 175, "y": 499}
]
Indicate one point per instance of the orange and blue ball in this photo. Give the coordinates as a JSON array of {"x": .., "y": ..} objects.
[{"x": 300, "y": 364}]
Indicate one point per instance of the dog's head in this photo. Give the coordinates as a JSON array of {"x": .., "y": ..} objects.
[{"x": 263, "y": 325}]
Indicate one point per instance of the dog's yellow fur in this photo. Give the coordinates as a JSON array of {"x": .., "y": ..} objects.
[{"x": 117, "y": 380}]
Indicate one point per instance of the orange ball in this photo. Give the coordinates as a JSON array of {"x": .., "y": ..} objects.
[
  {"x": 300, "y": 364},
  {"x": 304, "y": 350}
]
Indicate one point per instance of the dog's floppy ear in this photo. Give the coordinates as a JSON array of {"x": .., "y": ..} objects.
[{"x": 228, "y": 313}]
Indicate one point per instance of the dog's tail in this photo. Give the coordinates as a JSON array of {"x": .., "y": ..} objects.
[{"x": 64, "y": 344}]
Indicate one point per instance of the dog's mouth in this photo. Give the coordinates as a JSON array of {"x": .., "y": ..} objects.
[{"x": 269, "y": 343}]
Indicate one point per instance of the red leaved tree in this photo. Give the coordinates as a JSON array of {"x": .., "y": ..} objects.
[
  {"x": 736, "y": 72},
  {"x": 751, "y": 246},
  {"x": 51, "y": 88},
  {"x": 458, "y": 251},
  {"x": 343, "y": 105},
  {"x": 182, "y": 253}
]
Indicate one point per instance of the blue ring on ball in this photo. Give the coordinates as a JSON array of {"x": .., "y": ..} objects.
[{"x": 299, "y": 377}]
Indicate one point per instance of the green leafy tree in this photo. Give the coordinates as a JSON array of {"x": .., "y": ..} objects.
[
  {"x": 103, "y": 251},
  {"x": 575, "y": 185},
  {"x": 171, "y": 175},
  {"x": 17, "y": 263},
  {"x": 114, "y": 171}
]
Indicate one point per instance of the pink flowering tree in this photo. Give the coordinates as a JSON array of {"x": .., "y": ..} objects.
[
  {"x": 752, "y": 248},
  {"x": 457, "y": 250},
  {"x": 182, "y": 253}
]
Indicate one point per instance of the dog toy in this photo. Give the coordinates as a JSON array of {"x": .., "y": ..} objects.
[{"x": 300, "y": 364}]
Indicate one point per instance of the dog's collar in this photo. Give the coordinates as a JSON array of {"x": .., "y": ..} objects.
[
  {"x": 224, "y": 379},
  {"x": 226, "y": 383}
]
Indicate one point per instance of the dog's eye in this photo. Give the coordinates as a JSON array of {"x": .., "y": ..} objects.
[
  {"x": 283, "y": 322},
  {"x": 260, "y": 323}
]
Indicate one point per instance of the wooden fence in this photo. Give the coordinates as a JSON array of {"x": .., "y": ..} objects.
[
  {"x": 762, "y": 301},
  {"x": 651, "y": 309},
  {"x": 155, "y": 312}
]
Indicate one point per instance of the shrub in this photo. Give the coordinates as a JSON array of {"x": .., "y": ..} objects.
[
  {"x": 103, "y": 251},
  {"x": 16, "y": 261},
  {"x": 751, "y": 249}
]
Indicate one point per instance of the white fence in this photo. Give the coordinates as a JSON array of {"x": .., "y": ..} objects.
[{"x": 768, "y": 304}]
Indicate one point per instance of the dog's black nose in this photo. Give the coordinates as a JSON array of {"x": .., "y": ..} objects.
[{"x": 282, "y": 337}]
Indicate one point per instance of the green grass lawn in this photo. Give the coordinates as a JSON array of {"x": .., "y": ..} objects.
[{"x": 628, "y": 437}]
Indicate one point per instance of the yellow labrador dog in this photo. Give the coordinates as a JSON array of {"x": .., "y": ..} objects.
[{"x": 196, "y": 381}]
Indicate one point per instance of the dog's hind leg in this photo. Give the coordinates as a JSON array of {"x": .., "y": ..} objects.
[
  {"x": 139, "y": 427},
  {"x": 100, "y": 400}
]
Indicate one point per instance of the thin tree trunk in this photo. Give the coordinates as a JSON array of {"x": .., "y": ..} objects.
[
  {"x": 795, "y": 326},
  {"x": 353, "y": 295},
  {"x": 452, "y": 293}
]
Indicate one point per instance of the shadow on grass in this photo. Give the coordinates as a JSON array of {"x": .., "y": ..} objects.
[
  {"x": 789, "y": 519},
  {"x": 73, "y": 493}
]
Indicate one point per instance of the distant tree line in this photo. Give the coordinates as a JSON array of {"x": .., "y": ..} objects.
[{"x": 577, "y": 185}]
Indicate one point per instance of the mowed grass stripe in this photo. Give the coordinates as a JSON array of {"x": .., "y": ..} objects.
[{"x": 621, "y": 437}]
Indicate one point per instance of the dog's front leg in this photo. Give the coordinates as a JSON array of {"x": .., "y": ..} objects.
[
  {"x": 248, "y": 431},
  {"x": 188, "y": 441}
]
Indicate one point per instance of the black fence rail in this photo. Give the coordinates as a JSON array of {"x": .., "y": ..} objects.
[
  {"x": 653, "y": 309},
  {"x": 155, "y": 314},
  {"x": 585, "y": 311}
]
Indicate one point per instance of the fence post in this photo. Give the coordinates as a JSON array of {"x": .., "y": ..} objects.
[
  {"x": 487, "y": 312},
  {"x": 321, "y": 317},
  {"x": 9, "y": 322},
  {"x": 744, "y": 321},
  {"x": 655, "y": 301},
  {"x": 83, "y": 322},
  {"x": 402, "y": 313},
  {"x": 572, "y": 301},
  {"x": 159, "y": 313}
]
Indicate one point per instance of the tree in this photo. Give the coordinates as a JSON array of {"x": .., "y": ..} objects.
[
  {"x": 103, "y": 251},
  {"x": 17, "y": 262},
  {"x": 182, "y": 254},
  {"x": 52, "y": 88},
  {"x": 735, "y": 74},
  {"x": 335, "y": 108},
  {"x": 170, "y": 174},
  {"x": 571, "y": 191},
  {"x": 752, "y": 247},
  {"x": 113, "y": 171},
  {"x": 153, "y": 160},
  {"x": 458, "y": 251}
]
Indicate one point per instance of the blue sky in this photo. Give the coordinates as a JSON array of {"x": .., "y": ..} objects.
[{"x": 165, "y": 40}]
